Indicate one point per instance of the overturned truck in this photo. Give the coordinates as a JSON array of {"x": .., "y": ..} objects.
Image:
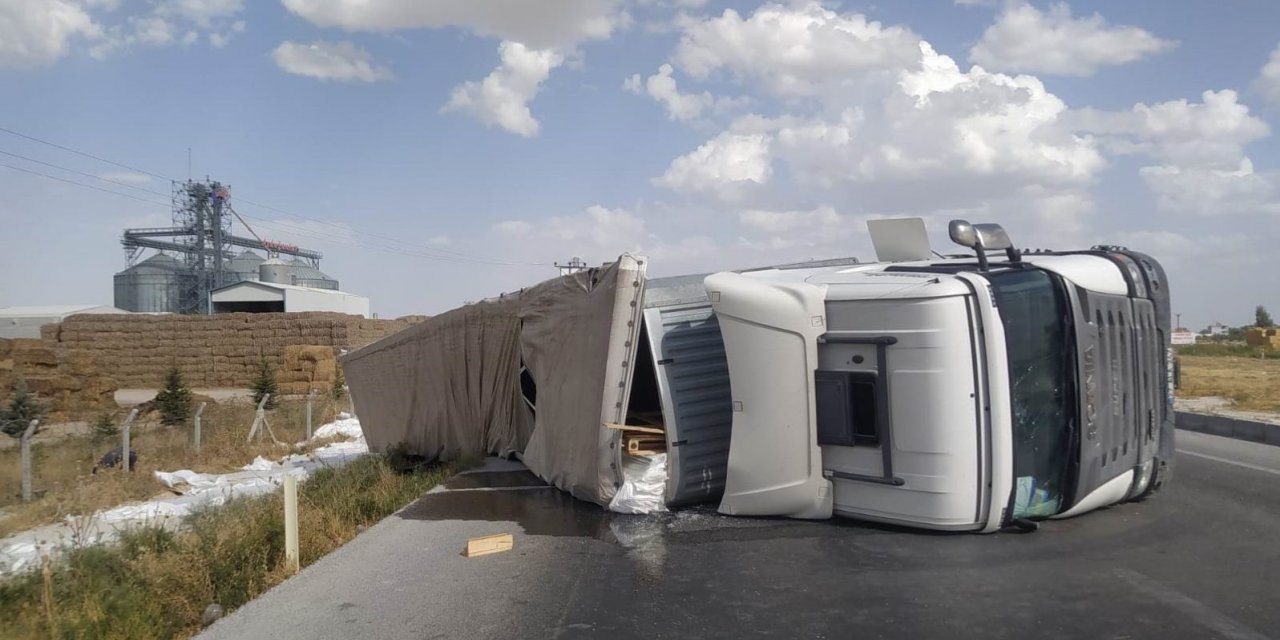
[{"x": 970, "y": 392}]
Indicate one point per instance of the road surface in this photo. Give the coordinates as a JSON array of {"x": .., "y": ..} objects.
[{"x": 1200, "y": 560}]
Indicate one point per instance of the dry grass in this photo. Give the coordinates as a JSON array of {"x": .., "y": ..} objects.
[
  {"x": 1252, "y": 383},
  {"x": 156, "y": 583},
  {"x": 65, "y": 485}
]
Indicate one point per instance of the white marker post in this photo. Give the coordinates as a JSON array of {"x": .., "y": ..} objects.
[
  {"x": 310, "y": 399},
  {"x": 291, "y": 522},
  {"x": 124, "y": 436},
  {"x": 26, "y": 459},
  {"x": 196, "y": 431}
]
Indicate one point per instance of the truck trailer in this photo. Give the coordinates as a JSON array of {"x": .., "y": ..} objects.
[{"x": 968, "y": 393}]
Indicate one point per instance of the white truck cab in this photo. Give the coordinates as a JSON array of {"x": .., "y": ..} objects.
[{"x": 960, "y": 393}]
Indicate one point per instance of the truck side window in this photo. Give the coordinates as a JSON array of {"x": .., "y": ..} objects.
[{"x": 846, "y": 408}]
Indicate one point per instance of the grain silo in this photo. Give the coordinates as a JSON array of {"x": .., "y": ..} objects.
[{"x": 155, "y": 285}]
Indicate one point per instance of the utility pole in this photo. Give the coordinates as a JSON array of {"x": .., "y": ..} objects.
[{"x": 573, "y": 266}]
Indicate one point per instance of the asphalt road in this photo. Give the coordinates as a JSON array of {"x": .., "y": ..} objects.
[{"x": 1200, "y": 560}]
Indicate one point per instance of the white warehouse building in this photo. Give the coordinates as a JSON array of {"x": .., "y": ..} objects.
[
  {"x": 279, "y": 289},
  {"x": 25, "y": 322},
  {"x": 265, "y": 297}
]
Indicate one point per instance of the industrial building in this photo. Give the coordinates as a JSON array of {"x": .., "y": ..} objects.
[
  {"x": 197, "y": 257},
  {"x": 253, "y": 296},
  {"x": 25, "y": 322}
]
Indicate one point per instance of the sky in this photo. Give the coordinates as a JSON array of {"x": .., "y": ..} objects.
[{"x": 442, "y": 152}]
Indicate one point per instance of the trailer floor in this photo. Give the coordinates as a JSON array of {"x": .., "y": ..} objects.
[{"x": 1199, "y": 560}]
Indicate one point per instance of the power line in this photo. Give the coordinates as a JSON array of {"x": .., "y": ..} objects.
[
  {"x": 81, "y": 184},
  {"x": 82, "y": 153},
  {"x": 282, "y": 226},
  {"x": 83, "y": 173},
  {"x": 425, "y": 252}
]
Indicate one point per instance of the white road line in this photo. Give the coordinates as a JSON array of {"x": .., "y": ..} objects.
[
  {"x": 1237, "y": 463},
  {"x": 1200, "y": 612}
]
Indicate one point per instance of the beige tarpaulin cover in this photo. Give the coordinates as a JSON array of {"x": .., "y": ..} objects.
[{"x": 450, "y": 386}]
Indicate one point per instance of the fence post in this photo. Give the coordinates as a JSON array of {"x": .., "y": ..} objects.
[
  {"x": 310, "y": 398},
  {"x": 259, "y": 417},
  {"x": 291, "y": 521},
  {"x": 26, "y": 459},
  {"x": 196, "y": 432},
  {"x": 124, "y": 436}
]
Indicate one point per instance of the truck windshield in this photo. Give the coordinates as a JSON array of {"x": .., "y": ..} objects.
[{"x": 1033, "y": 310}]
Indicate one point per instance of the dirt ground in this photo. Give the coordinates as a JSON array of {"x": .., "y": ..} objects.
[{"x": 1252, "y": 384}]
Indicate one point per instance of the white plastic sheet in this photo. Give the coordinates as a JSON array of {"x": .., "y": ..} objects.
[
  {"x": 644, "y": 486},
  {"x": 199, "y": 490}
]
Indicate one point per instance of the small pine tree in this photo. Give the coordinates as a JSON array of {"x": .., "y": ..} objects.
[
  {"x": 23, "y": 408},
  {"x": 104, "y": 426},
  {"x": 1261, "y": 318},
  {"x": 174, "y": 400},
  {"x": 339, "y": 385},
  {"x": 265, "y": 383}
]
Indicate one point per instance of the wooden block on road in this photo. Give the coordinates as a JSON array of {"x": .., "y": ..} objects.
[{"x": 486, "y": 545}]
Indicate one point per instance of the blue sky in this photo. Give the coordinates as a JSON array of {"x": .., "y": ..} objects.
[{"x": 395, "y": 135}]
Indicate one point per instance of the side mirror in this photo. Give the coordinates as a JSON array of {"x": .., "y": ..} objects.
[{"x": 981, "y": 237}]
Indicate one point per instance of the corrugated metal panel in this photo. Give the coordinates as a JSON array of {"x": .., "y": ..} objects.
[{"x": 697, "y": 408}]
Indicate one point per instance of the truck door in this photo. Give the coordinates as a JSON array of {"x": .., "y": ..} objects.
[{"x": 770, "y": 336}]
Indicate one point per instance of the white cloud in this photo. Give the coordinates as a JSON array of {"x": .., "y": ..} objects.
[
  {"x": 540, "y": 25},
  {"x": 34, "y": 34},
  {"x": 502, "y": 98},
  {"x": 337, "y": 61},
  {"x": 804, "y": 233},
  {"x": 514, "y": 227},
  {"x": 1213, "y": 132},
  {"x": 871, "y": 117},
  {"x": 1268, "y": 82},
  {"x": 171, "y": 22},
  {"x": 203, "y": 13},
  {"x": 1213, "y": 191},
  {"x": 663, "y": 88},
  {"x": 1199, "y": 149},
  {"x": 726, "y": 166},
  {"x": 127, "y": 177},
  {"x": 1026, "y": 39},
  {"x": 793, "y": 51},
  {"x": 219, "y": 40},
  {"x": 599, "y": 234},
  {"x": 962, "y": 136}
]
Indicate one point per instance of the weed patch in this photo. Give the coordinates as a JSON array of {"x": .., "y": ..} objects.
[{"x": 156, "y": 583}]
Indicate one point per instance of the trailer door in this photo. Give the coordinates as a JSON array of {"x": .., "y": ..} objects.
[{"x": 770, "y": 337}]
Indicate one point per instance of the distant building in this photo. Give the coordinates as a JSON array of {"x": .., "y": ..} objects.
[
  {"x": 267, "y": 297},
  {"x": 25, "y": 322},
  {"x": 1216, "y": 329}
]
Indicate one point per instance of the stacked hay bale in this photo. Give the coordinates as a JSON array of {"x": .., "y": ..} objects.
[
  {"x": 70, "y": 385},
  {"x": 306, "y": 368},
  {"x": 78, "y": 364},
  {"x": 1263, "y": 337}
]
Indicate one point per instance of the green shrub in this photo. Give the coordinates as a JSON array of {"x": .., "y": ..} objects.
[
  {"x": 174, "y": 400},
  {"x": 23, "y": 408},
  {"x": 104, "y": 426},
  {"x": 265, "y": 383},
  {"x": 1222, "y": 349}
]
